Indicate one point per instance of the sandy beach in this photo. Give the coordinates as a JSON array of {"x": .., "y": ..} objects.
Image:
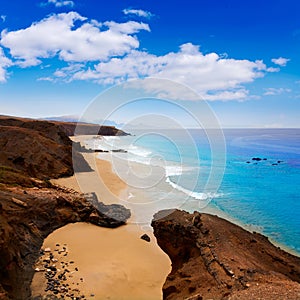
[{"x": 110, "y": 263}]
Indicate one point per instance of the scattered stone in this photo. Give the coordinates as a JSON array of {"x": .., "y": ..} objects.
[
  {"x": 256, "y": 158},
  {"x": 39, "y": 270},
  {"x": 18, "y": 202},
  {"x": 146, "y": 237},
  {"x": 56, "y": 287}
]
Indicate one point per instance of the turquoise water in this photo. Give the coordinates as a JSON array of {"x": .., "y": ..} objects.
[{"x": 264, "y": 193}]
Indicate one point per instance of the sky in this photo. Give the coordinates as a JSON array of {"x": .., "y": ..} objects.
[{"x": 241, "y": 57}]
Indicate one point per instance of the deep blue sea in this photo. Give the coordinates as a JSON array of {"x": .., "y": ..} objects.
[{"x": 263, "y": 194}]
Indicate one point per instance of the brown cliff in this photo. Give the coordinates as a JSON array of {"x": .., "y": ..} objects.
[
  {"x": 43, "y": 149},
  {"x": 30, "y": 206},
  {"x": 37, "y": 149},
  {"x": 72, "y": 128},
  {"x": 215, "y": 259},
  {"x": 28, "y": 215}
]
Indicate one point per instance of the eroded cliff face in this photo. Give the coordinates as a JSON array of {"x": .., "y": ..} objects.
[
  {"x": 28, "y": 216},
  {"x": 215, "y": 259},
  {"x": 37, "y": 149},
  {"x": 42, "y": 149}
]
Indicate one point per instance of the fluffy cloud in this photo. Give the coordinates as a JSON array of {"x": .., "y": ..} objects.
[
  {"x": 138, "y": 12},
  {"x": 59, "y": 35},
  {"x": 4, "y": 63},
  {"x": 107, "y": 53},
  {"x": 281, "y": 61},
  {"x": 276, "y": 91},
  {"x": 59, "y": 3},
  {"x": 3, "y": 18},
  {"x": 213, "y": 77}
]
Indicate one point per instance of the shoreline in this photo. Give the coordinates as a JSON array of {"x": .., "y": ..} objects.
[
  {"x": 112, "y": 264},
  {"x": 211, "y": 209},
  {"x": 119, "y": 276},
  {"x": 214, "y": 210}
]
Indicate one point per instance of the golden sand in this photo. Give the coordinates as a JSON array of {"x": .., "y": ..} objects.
[{"x": 114, "y": 263}]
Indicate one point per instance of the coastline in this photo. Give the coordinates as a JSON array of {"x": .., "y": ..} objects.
[
  {"x": 127, "y": 272},
  {"x": 113, "y": 263}
]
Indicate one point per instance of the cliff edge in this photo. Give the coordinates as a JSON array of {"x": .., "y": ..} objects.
[{"x": 215, "y": 259}]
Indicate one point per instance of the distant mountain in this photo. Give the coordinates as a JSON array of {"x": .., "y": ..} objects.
[
  {"x": 75, "y": 119},
  {"x": 69, "y": 118}
]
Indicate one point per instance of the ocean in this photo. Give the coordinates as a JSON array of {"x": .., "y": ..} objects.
[{"x": 253, "y": 177}]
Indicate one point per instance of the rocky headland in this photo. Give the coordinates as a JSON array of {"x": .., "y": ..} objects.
[
  {"x": 32, "y": 152},
  {"x": 215, "y": 259}
]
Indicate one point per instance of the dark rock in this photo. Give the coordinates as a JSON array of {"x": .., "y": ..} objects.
[
  {"x": 256, "y": 158},
  {"x": 119, "y": 150},
  {"x": 146, "y": 237}
]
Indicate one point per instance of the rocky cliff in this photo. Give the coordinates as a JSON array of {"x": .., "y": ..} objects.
[
  {"x": 89, "y": 129},
  {"x": 28, "y": 215},
  {"x": 30, "y": 206},
  {"x": 37, "y": 149},
  {"x": 215, "y": 259},
  {"x": 42, "y": 149}
]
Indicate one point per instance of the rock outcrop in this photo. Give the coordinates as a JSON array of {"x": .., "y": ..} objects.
[
  {"x": 215, "y": 259},
  {"x": 28, "y": 216},
  {"x": 89, "y": 129},
  {"x": 37, "y": 149},
  {"x": 43, "y": 149}
]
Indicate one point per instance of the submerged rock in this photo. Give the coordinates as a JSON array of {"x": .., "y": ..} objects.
[{"x": 256, "y": 158}]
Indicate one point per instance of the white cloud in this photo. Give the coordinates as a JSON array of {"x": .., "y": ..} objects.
[
  {"x": 3, "y": 18},
  {"x": 281, "y": 61},
  {"x": 273, "y": 70},
  {"x": 213, "y": 77},
  {"x": 276, "y": 91},
  {"x": 50, "y": 79},
  {"x": 58, "y": 35},
  {"x": 138, "y": 12},
  {"x": 59, "y": 3},
  {"x": 107, "y": 53},
  {"x": 4, "y": 64}
]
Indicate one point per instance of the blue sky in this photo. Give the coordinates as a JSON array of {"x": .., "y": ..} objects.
[{"x": 242, "y": 57}]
